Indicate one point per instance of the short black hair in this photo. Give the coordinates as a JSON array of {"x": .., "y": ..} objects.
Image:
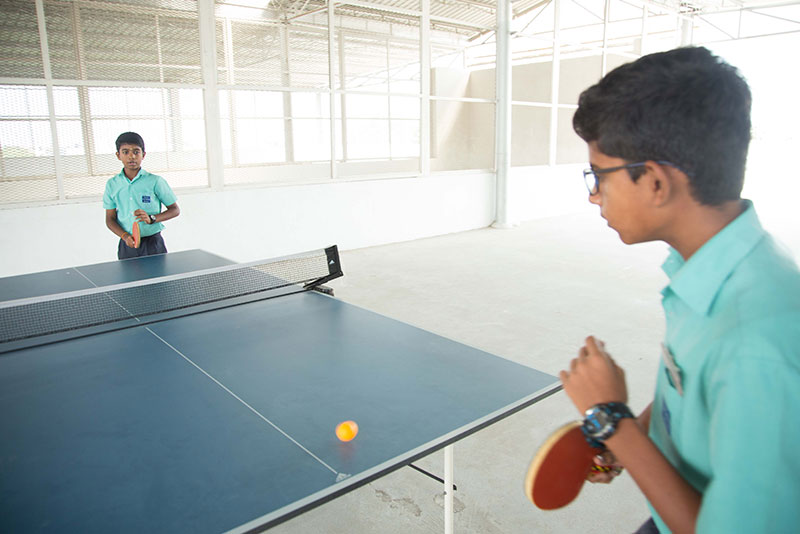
[
  {"x": 685, "y": 106},
  {"x": 130, "y": 138}
]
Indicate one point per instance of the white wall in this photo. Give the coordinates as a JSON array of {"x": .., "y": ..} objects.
[
  {"x": 259, "y": 223},
  {"x": 250, "y": 224}
]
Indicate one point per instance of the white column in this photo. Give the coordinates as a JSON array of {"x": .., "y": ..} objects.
[
  {"x": 51, "y": 107},
  {"x": 606, "y": 19},
  {"x": 286, "y": 81},
  {"x": 332, "y": 86},
  {"x": 643, "y": 41},
  {"x": 503, "y": 113},
  {"x": 554, "y": 82},
  {"x": 208, "y": 63},
  {"x": 687, "y": 29},
  {"x": 425, "y": 88}
]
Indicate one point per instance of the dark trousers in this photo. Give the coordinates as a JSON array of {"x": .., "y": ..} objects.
[
  {"x": 648, "y": 527},
  {"x": 152, "y": 244}
]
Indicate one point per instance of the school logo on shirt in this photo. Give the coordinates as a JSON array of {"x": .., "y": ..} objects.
[{"x": 146, "y": 198}]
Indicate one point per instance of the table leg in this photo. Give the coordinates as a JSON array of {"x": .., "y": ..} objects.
[{"x": 448, "y": 489}]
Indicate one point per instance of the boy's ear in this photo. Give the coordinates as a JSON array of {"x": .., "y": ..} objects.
[{"x": 660, "y": 182}]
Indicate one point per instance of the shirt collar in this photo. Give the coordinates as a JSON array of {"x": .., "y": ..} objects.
[
  {"x": 698, "y": 280},
  {"x": 141, "y": 174}
]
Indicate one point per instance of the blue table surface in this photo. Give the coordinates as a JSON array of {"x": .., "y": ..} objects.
[
  {"x": 106, "y": 274},
  {"x": 225, "y": 420}
]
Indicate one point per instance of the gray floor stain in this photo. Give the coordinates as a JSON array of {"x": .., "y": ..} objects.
[
  {"x": 458, "y": 506},
  {"x": 405, "y": 504}
]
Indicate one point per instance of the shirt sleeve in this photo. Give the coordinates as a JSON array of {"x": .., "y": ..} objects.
[
  {"x": 164, "y": 192},
  {"x": 109, "y": 202},
  {"x": 753, "y": 442}
]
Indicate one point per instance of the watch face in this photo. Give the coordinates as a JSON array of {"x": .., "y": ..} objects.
[
  {"x": 598, "y": 421},
  {"x": 601, "y": 420}
]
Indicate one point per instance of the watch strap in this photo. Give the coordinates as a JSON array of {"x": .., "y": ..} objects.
[{"x": 592, "y": 441}]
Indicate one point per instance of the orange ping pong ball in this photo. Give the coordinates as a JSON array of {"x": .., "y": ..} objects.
[{"x": 347, "y": 430}]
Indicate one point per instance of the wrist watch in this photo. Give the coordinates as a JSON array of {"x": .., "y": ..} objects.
[
  {"x": 601, "y": 421},
  {"x": 152, "y": 218}
]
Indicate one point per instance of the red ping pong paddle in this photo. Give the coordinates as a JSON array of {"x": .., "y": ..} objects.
[
  {"x": 559, "y": 469},
  {"x": 137, "y": 235}
]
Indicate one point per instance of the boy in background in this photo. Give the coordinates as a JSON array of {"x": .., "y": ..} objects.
[{"x": 136, "y": 195}]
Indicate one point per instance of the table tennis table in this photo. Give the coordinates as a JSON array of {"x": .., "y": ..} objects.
[{"x": 223, "y": 420}]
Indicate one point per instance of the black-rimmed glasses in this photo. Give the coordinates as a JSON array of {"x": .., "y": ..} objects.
[{"x": 592, "y": 179}]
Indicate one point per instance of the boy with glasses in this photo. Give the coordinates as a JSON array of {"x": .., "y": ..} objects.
[{"x": 716, "y": 450}]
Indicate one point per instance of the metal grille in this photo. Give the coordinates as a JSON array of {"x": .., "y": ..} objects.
[
  {"x": 58, "y": 141},
  {"x": 20, "y": 53}
]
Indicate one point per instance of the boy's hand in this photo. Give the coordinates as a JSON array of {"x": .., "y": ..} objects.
[
  {"x": 594, "y": 377},
  {"x": 128, "y": 238},
  {"x": 142, "y": 216},
  {"x": 605, "y": 459}
]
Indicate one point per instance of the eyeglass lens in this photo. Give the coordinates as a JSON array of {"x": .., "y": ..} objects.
[{"x": 591, "y": 181}]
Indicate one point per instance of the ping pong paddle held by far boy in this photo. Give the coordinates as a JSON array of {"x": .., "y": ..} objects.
[
  {"x": 137, "y": 234},
  {"x": 560, "y": 467}
]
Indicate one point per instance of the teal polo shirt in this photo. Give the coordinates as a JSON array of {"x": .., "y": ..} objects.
[
  {"x": 146, "y": 191},
  {"x": 733, "y": 331}
]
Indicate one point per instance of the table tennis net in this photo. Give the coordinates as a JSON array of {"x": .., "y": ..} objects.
[{"x": 129, "y": 303}]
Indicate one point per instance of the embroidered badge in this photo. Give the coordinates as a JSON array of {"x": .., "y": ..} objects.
[{"x": 146, "y": 198}]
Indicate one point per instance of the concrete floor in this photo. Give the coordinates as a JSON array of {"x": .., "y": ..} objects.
[{"x": 530, "y": 294}]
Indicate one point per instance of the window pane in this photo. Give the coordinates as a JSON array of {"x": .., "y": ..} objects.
[
  {"x": 405, "y": 107},
  {"x": 404, "y": 67},
  {"x": 152, "y": 131},
  {"x": 193, "y": 136},
  {"x": 105, "y": 132},
  {"x": 260, "y": 140},
  {"x": 367, "y": 106},
  {"x": 258, "y": 104},
  {"x": 115, "y": 102},
  {"x": 190, "y": 102},
  {"x": 23, "y": 101},
  {"x": 405, "y": 139},
  {"x": 367, "y": 139},
  {"x": 65, "y": 101},
  {"x": 311, "y": 105},
  {"x": 227, "y": 142},
  {"x": 224, "y": 104},
  {"x": 70, "y": 138},
  {"x": 20, "y": 139},
  {"x": 312, "y": 139}
]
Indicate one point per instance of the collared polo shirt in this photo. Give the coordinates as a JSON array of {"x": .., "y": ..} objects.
[
  {"x": 733, "y": 331},
  {"x": 146, "y": 191}
]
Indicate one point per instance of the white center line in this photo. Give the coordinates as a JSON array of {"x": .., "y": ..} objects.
[{"x": 235, "y": 396}]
